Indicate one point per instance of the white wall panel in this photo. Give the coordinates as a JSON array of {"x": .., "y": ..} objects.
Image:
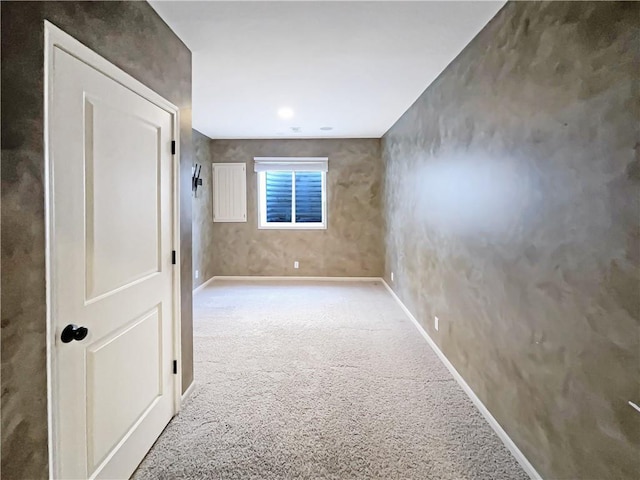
[{"x": 229, "y": 192}]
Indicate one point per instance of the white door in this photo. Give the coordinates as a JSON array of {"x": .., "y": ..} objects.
[{"x": 111, "y": 258}]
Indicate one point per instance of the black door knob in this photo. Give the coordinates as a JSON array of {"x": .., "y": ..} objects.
[{"x": 73, "y": 332}]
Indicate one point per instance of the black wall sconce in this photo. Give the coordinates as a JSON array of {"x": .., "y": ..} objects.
[{"x": 196, "y": 181}]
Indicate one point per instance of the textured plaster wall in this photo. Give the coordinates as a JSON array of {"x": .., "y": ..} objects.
[
  {"x": 352, "y": 243},
  {"x": 131, "y": 35},
  {"x": 203, "y": 246},
  {"x": 512, "y": 208}
]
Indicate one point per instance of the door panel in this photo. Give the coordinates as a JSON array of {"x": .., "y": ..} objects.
[
  {"x": 108, "y": 370},
  {"x": 122, "y": 238},
  {"x": 111, "y": 249}
]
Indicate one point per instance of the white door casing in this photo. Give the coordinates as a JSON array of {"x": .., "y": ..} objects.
[{"x": 112, "y": 210}]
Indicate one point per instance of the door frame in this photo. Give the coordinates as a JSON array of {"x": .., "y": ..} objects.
[{"x": 56, "y": 38}]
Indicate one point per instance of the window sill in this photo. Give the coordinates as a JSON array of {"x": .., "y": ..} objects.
[{"x": 295, "y": 226}]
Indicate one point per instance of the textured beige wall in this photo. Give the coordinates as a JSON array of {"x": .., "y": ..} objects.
[
  {"x": 134, "y": 37},
  {"x": 513, "y": 210},
  {"x": 202, "y": 208},
  {"x": 352, "y": 243}
]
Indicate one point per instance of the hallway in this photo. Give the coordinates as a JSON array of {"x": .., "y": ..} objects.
[{"x": 320, "y": 380}]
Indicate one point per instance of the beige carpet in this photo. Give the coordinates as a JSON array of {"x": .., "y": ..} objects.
[{"x": 320, "y": 380}]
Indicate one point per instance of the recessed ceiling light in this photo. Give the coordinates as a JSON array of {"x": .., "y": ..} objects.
[
  {"x": 326, "y": 129},
  {"x": 285, "y": 113},
  {"x": 296, "y": 129}
]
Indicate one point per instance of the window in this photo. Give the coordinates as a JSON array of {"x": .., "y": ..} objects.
[{"x": 292, "y": 192}]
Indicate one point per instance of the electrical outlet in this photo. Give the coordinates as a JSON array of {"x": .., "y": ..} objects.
[
  {"x": 436, "y": 322},
  {"x": 392, "y": 276},
  {"x": 296, "y": 264},
  {"x": 197, "y": 273}
]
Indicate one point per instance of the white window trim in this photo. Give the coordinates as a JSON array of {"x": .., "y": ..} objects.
[
  {"x": 318, "y": 164},
  {"x": 262, "y": 212}
]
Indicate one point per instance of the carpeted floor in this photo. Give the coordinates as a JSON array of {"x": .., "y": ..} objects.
[{"x": 320, "y": 380}]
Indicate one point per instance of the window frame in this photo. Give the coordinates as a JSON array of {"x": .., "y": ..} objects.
[{"x": 293, "y": 225}]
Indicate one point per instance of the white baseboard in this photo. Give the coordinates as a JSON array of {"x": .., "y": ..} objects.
[
  {"x": 188, "y": 391},
  {"x": 519, "y": 456},
  {"x": 203, "y": 285},
  {"x": 291, "y": 278}
]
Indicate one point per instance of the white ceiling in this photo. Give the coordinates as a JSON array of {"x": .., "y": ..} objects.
[{"x": 354, "y": 66}]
